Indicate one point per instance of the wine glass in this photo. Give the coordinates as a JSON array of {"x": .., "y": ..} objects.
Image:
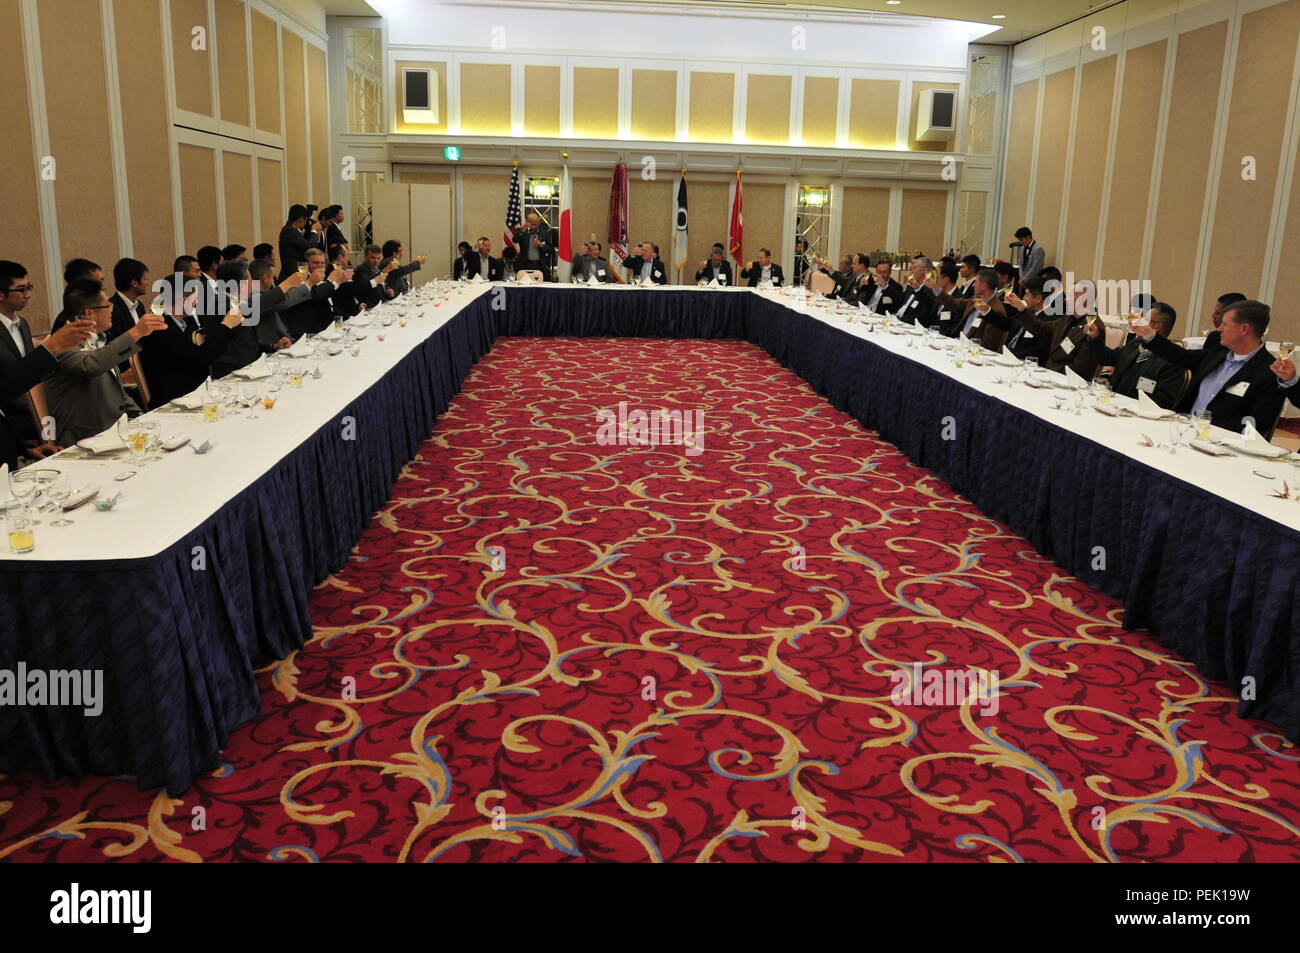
[
  {"x": 1285, "y": 349},
  {"x": 23, "y": 487},
  {"x": 248, "y": 397},
  {"x": 59, "y": 490}
]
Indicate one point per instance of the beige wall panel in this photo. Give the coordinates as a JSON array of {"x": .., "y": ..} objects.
[
  {"x": 542, "y": 101},
  {"x": 238, "y": 171},
  {"x": 144, "y": 131},
  {"x": 77, "y": 117},
  {"x": 767, "y": 109},
  {"x": 20, "y": 225},
  {"x": 820, "y": 110},
  {"x": 709, "y": 223},
  {"x": 921, "y": 221},
  {"x": 232, "y": 61},
  {"x": 1015, "y": 187},
  {"x": 712, "y": 99},
  {"x": 295, "y": 118},
  {"x": 972, "y": 216},
  {"x": 266, "y": 74},
  {"x": 318, "y": 95},
  {"x": 270, "y": 196},
  {"x": 440, "y": 69},
  {"x": 873, "y": 113},
  {"x": 1185, "y": 175},
  {"x": 483, "y": 206},
  {"x": 650, "y": 215},
  {"x": 915, "y": 144},
  {"x": 192, "y": 77},
  {"x": 199, "y": 196},
  {"x": 1053, "y": 138},
  {"x": 590, "y": 212},
  {"x": 1255, "y": 127},
  {"x": 595, "y": 107},
  {"x": 426, "y": 178},
  {"x": 485, "y": 99},
  {"x": 1130, "y": 179},
  {"x": 654, "y": 104},
  {"x": 765, "y": 224},
  {"x": 1285, "y": 324},
  {"x": 1088, "y": 170},
  {"x": 864, "y": 223}
]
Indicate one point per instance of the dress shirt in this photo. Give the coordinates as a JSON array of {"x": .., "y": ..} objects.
[
  {"x": 14, "y": 332},
  {"x": 1214, "y": 382}
]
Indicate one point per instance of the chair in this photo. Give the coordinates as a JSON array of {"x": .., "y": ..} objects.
[
  {"x": 137, "y": 368},
  {"x": 40, "y": 409},
  {"x": 821, "y": 282},
  {"x": 1187, "y": 379},
  {"x": 1115, "y": 337}
]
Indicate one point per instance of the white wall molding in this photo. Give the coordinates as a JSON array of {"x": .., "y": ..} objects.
[
  {"x": 117, "y": 146},
  {"x": 49, "y": 210}
]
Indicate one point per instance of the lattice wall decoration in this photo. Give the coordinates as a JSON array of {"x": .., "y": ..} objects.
[
  {"x": 363, "y": 59},
  {"x": 362, "y": 211}
]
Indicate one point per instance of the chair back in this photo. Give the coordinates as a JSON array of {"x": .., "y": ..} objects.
[
  {"x": 821, "y": 282},
  {"x": 39, "y": 407},
  {"x": 137, "y": 368},
  {"x": 1187, "y": 380},
  {"x": 531, "y": 274}
]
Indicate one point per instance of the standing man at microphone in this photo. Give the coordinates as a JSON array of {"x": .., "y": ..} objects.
[
  {"x": 534, "y": 240},
  {"x": 1033, "y": 257}
]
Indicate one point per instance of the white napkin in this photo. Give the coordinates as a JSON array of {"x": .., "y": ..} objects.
[
  {"x": 1252, "y": 442},
  {"x": 593, "y": 281},
  {"x": 1074, "y": 380},
  {"x": 476, "y": 280},
  {"x": 5, "y": 495},
  {"x": 965, "y": 341},
  {"x": 191, "y": 401},
  {"x": 106, "y": 441},
  {"x": 256, "y": 371},
  {"x": 714, "y": 283},
  {"x": 1006, "y": 358},
  {"x": 301, "y": 348},
  {"x": 330, "y": 335},
  {"x": 1149, "y": 409}
]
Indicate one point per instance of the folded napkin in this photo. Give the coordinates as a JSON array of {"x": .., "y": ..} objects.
[
  {"x": 256, "y": 371},
  {"x": 330, "y": 335},
  {"x": 1074, "y": 380},
  {"x": 714, "y": 283},
  {"x": 301, "y": 348},
  {"x": 1253, "y": 443},
  {"x": 593, "y": 281},
  {"x": 1212, "y": 449},
  {"x": 5, "y": 495},
  {"x": 106, "y": 441},
  {"x": 1007, "y": 359},
  {"x": 191, "y": 401},
  {"x": 476, "y": 280},
  {"x": 1149, "y": 409}
]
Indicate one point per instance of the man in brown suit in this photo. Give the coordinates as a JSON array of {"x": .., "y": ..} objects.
[
  {"x": 1066, "y": 335},
  {"x": 970, "y": 316}
]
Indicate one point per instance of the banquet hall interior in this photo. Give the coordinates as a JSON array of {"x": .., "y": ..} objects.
[{"x": 671, "y": 431}]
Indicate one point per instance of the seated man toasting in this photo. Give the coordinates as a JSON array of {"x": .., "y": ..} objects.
[
  {"x": 85, "y": 396},
  {"x": 178, "y": 357},
  {"x": 971, "y": 316},
  {"x": 763, "y": 268},
  {"x": 1232, "y": 379},
  {"x": 717, "y": 267},
  {"x": 1136, "y": 368}
]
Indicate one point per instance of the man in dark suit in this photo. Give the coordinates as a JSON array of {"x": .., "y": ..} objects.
[
  {"x": 762, "y": 268},
  {"x": 332, "y": 220},
  {"x": 76, "y": 270},
  {"x": 1232, "y": 380},
  {"x": 317, "y": 312},
  {"x": 534, "y": 240},
  {"x": 131, "y": 279},
  {"x": 882, "y": 294},
  {"x": 481, "y": 262},
  {"x": 1027, "y": 338},
  {"x": 23, "y": 366},
  {"x": 967, "y": 268},
  {"x": 1061, "y": 339},
  {"x": 971, "y": 316},
  {"x": 918, "y": 302},
  {"x": 35, "y": 367},
  {"x": 717, "y": 267},
  {"x": 264, "y": 251},
  {"x": 293, "y": 244},
  {"x": 86, "y": 396},
  {"x": 460, "y": 267},
  {"x": 398, "y": 282},
  {"x": 1232, "y": 297},
  {"x": 1136, "y": 368},
  {"x": 370, "y": 279},
  {"x": 178, "y": 358},
  {"x": 643, "y": 265}
]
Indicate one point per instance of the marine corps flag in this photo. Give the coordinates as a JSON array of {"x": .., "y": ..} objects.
[
  {"x": 737, "y": 243},
  {"x": 679, "y": 227},
  {"x": 618, "y": 215}
]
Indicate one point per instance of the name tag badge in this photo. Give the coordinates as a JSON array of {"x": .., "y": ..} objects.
[
  {"x": 1146, "y": 385},
  {"x": 658, "y": 274},
  {"x": 886, "y": 300},
  {"x": 1238, "y": 390},
  {"x": 1067, "y": 346},
  {"x": 945, "y": 315},
  {"x": 722, "y": 279},
  {"x": 600, "y": 272},
  {"x": 976, "y": 323}
]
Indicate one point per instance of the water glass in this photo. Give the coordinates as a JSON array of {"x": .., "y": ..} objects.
[{"x": 22, "y": 529}]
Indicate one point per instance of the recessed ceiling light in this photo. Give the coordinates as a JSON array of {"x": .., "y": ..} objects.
[
  {"x": 893, "y": 3},
  {"x": 999, "y": 16}
]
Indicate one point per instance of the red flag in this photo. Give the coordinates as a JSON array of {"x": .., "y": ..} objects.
[
  {"x": 737, "y": 221},
  {"x": 618, "y": 214}
]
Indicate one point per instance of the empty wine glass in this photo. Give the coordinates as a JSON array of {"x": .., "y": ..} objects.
[{"x": 59, "y": 490}]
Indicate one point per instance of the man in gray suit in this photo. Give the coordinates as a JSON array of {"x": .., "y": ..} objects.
[
  {"x": 591, "y": 263},
  {"x": 85, "y": 395},
  {"x": 1033, "y": 257}
]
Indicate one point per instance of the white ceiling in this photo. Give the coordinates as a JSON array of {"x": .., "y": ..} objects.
[{"x": 1023, "y": 19}]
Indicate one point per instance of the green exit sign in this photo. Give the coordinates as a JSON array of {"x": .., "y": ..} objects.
[{"x": 451, "y": 153}]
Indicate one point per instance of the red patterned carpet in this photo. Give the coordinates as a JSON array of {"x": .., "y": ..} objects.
[{"x": 688, "y": 656}]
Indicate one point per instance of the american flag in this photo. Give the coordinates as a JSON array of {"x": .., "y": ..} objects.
[{"x": 512, "y": 207}]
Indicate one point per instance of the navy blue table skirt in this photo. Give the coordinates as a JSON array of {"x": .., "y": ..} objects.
[{"x": 1214, "y": 582}]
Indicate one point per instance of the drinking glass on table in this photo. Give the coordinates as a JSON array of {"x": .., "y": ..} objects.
[
  {"x": 22, "y": 529},
  {"x": 1104, "y": 392},
  {"x": 24, "y": 487},
  {"x": 1202, "y": 421},
  {"x": 59, "y": 491},
  {"x": 1029, "y": 367}
]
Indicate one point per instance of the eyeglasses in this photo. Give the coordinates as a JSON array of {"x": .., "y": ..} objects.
[
  {"x": 19, "y": 289},
  {"x": 99, "y": 307}
]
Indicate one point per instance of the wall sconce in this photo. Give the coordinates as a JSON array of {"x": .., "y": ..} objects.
[
  {"x": 814, "y": 196},
  {"x": 543, "y": 190}
]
